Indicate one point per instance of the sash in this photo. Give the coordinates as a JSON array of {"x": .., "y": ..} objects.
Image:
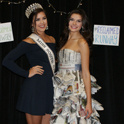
[{"x": 46, "y": 49}]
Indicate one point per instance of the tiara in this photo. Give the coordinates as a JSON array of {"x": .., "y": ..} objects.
[{"x": 31, "y": 8}]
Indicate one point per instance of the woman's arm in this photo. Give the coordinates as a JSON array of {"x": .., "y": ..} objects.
[
  {"x": 84, "y": 50},
  {"x": 9, "y": 60}
]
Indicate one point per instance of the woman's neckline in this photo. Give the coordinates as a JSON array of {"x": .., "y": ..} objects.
[
  {"x": 69, "y": 49},
  {"x": 36, "y": 43}
]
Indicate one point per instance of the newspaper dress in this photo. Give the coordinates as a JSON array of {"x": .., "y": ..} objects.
[{"x": 69, "y": 92}]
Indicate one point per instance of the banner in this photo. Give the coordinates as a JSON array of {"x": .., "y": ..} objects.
[
  {"x": 6, "y": 33},
  {"x": 106, "y": 35}
]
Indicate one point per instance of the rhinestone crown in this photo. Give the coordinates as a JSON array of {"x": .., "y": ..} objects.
[{"x": 31, "y": 8}]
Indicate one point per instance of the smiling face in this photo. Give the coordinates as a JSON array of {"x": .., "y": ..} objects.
[
  {"x": 40, "y": 23},
  {"x": 75, "y": 22}
]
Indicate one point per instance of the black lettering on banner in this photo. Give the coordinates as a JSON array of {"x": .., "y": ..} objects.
[
  {"x": 51, "y": 58},
  {"x": 41, "y": 43}
]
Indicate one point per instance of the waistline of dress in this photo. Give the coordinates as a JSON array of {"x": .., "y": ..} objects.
[{"x": 73, "y": 67}]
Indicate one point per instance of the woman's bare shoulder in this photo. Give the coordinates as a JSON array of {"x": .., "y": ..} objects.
[
  {"x": 52, "y": 39},
  {"x": 83, "y": 46},
  {"x": 82, "y": 42},
  {"x": 28, "y": 40}
]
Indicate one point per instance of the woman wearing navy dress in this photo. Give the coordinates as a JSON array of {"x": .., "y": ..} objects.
[{"x": 36, "y": 95}]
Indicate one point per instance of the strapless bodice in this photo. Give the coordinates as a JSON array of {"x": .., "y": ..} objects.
[{"x": 69, "y": 60}]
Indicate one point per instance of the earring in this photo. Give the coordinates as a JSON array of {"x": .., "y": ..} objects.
[
  {"x": 82, "y": 28},
  {"x": 47, "y": 27},
  {"x": 32, "y": 29}
]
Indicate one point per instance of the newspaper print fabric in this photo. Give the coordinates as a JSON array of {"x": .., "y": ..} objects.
[{"x": 69, "y": 92}]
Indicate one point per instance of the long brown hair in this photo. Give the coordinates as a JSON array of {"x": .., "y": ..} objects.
[{"x": 86, "y": 32}]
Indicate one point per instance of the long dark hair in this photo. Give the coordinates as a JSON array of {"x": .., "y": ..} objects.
[
  {"x": 34, "y": 15},
  {"x": 86, "y": 32}
]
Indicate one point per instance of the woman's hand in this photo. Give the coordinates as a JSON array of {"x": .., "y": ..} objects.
[
  {"x": 35, "y": 70},
  {"x": 88, "y": 110}
]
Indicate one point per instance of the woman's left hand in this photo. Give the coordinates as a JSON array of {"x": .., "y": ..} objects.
[{"x": 88, "y": 110}]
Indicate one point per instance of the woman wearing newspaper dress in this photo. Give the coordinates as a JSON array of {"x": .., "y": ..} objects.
[
  {"x": 36, "y": 95},
  {"x": 73, "y": 82}
]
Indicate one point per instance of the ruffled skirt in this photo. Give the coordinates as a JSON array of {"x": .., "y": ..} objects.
[{"x": 70, "y": 99}]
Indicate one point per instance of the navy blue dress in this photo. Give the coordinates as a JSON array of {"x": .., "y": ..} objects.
[{"x": 36, "y": 95}]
